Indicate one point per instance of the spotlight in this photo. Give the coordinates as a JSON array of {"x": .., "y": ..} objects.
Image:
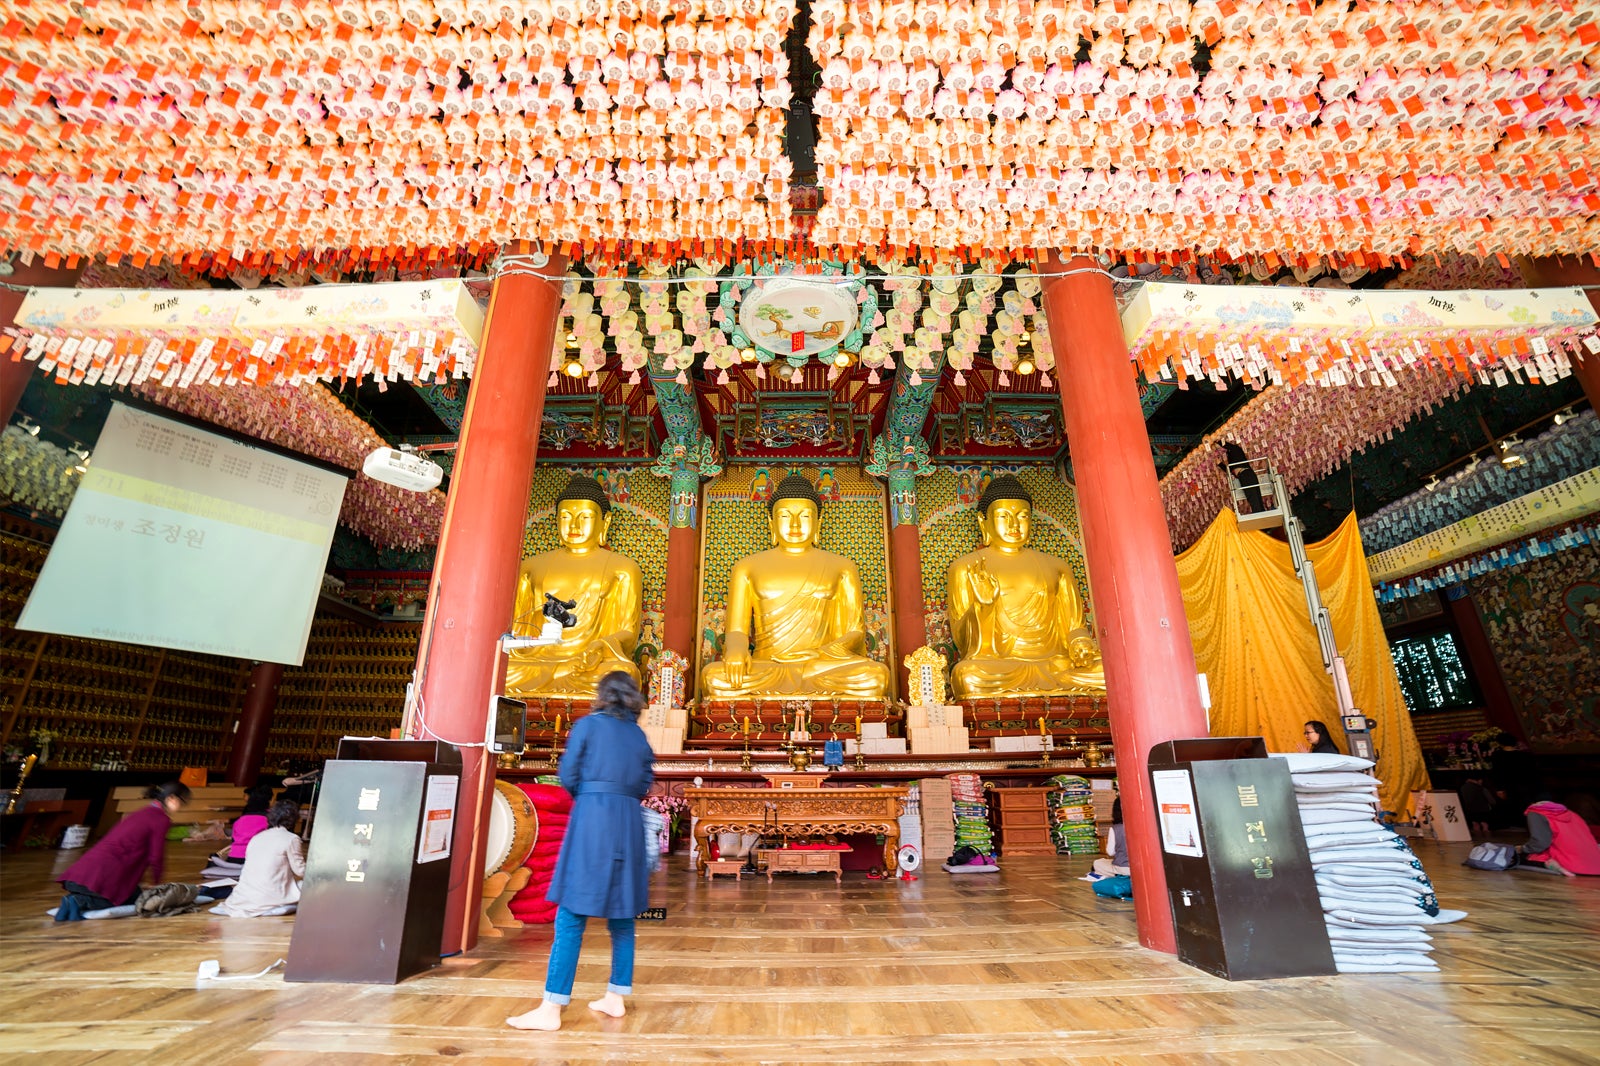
[
  {"x": 1564, "y": 416},
  {"x": 1507, "y": 456},
  {"x": 1025, "y": 365},
  {"x": 1433, "y": 483},
  {"x": 573, "y": 369}
]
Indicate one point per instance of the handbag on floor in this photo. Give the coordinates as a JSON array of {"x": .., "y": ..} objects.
[
  {"x": 173, "y": 897},
  {"x": 1491, "y": 857}
]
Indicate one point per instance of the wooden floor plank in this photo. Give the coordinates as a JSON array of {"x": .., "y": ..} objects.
[{"x": 1024, "y": 967}]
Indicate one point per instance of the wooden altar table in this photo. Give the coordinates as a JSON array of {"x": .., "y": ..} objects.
[{"x": 797, "y": 813}]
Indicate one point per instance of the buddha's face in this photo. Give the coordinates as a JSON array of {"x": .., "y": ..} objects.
[
  {"x": 1007, "y": 525},
  {"x": 794, "y": 524},
  {"x": 580, "y": 525}
]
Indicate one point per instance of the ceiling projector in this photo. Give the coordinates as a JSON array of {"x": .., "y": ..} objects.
[{"x": 403, "y": 469}]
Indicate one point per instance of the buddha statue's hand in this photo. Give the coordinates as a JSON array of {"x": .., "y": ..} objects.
[
  {"x": 984, "y": 586},
  {"x": 1082, "y": 650},
  {"x": 736, "y": 659}
]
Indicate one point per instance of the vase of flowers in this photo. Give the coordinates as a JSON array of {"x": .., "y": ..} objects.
[
  {"x": 673, "y": 809},
  {"x": 42, "y": 739}
]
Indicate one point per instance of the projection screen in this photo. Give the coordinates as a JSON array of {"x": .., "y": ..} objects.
[{"x": 183, "y": 538}]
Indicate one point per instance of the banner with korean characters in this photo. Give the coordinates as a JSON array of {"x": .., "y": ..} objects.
[
  {"x": 1276, "y": 334},
  {"x": 1564, "y": 501},
  {"x": 417, "y": 330}
]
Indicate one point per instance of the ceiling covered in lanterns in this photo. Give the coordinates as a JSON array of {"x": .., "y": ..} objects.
[
  {"x": 796, "y": 226},
  {"x": 308, "y": 136}
]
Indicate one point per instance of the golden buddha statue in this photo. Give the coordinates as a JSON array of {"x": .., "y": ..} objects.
[
  {"x": 809, "y": 637},
  {"x": 606, "y": 587},
  {"x": 1015, "y": 612}
]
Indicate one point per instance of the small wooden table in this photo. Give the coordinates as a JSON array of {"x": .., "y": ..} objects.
[
  {"x": 48, "y": 819},
  {"x": 803, "y": 861},
  {"x": 724, "y": 866}
]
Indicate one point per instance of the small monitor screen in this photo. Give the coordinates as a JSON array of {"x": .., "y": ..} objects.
[{"x": 509, "y": 718}]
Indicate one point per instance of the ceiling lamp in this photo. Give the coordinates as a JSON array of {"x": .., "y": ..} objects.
[
  {"x": 747, "y": 355},
  {"x": 573, "y": 369},
  {"x": 572, "y": 340},
  {"x": 1025, "y": 365},
  {"x": 841, "y": 359}
]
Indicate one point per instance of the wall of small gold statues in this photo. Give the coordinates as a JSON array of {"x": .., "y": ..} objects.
[{"x": 352, "y": 683}]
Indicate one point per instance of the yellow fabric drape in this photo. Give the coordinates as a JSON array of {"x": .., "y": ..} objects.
[{"x": 1254, "y": 641}]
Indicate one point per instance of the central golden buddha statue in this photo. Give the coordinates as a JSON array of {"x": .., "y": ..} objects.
[
  {"x": 809, "y": 637},
  {"x": 606, "y": 587},
  {"x": 1015, "y": 612}
]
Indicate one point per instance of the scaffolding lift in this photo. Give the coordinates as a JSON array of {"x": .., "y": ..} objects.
[{"x": 1261, "y": 502}]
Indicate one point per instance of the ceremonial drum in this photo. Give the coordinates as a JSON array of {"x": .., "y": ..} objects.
[{"x": 513, "y": 829}]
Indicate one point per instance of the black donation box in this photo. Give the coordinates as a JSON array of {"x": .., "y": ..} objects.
[
  {"x": 1244, "y": 899},
  {"x": 372, "y": 906}
]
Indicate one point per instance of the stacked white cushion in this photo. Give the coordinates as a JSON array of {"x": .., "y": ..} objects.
[{"x": 1375, "y": 896}]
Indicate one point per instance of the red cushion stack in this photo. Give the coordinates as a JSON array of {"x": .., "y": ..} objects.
[{"x": 553, "y": 804}]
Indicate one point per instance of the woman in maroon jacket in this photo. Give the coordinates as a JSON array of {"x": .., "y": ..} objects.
[{"x": 108, "y": 874}]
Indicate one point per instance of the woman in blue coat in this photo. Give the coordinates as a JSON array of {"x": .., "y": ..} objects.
[{"x": 602, "y": 871}]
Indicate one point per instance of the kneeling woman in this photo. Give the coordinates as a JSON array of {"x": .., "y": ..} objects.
[
  {"x": 108, "y": 874},
  {"x": 273, "y": 865}
]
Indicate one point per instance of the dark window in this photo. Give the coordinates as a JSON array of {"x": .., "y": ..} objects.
[{"x": 1432, "y": 675}]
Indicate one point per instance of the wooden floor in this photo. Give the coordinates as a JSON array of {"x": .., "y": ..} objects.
[{"x": 1027, "y": 967}]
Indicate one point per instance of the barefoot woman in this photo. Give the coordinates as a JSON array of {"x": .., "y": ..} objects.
[{"x": 602, "y": 871}]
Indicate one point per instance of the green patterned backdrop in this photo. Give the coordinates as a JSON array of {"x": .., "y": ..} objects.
[
  {"x": 638, "y": 530},
  {"x": 736, "y": 525},
  {"x": 948, "y": 503}
]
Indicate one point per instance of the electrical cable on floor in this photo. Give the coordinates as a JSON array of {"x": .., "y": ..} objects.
[{"x": 211, "y": 970}]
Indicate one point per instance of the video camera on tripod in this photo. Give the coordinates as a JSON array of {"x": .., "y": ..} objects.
[{"x": 559, "y": 610}]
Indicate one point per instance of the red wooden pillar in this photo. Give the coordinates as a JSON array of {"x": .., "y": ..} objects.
[
  {"x": 15, "y": 370},
  {"x": 255, "y": 722},
  {"x": 680, "y": 609},
  {"x": 905, "y": 565},
  {"x": 1138, "y": 609},
  {"x": 475, "y": 570},
  {"x": 682, "y": 592},
  {"x": 1549, "y": 273}
]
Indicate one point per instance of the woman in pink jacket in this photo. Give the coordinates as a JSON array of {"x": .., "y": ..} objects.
[
  {"x": 108, "y": 874},
  {"x": 1560, "y": 841}
]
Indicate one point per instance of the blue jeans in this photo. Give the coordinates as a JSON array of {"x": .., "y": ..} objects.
[{"x": 564, "y": 956}]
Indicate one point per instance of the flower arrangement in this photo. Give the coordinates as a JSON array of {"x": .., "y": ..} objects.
[{"x": 674, "y": 809}]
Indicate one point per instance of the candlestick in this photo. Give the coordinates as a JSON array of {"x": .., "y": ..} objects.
[
  {"x": 558, "y": 724},
  {"x": 747, "y": 725},
  {"x": 858, "y": 727},
  {"x": 1041, "y": 725}
]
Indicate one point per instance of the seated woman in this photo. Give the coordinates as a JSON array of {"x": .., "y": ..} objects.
[
  {"x": 257, "y": 799},
  {"x": 1559, "y": 841},
  {"x": 1116, "y": 864},
  {"x": 107, "y": 875},
  {"x": 1319, "y": 740},
  {"x": 273, "y": 865}
]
